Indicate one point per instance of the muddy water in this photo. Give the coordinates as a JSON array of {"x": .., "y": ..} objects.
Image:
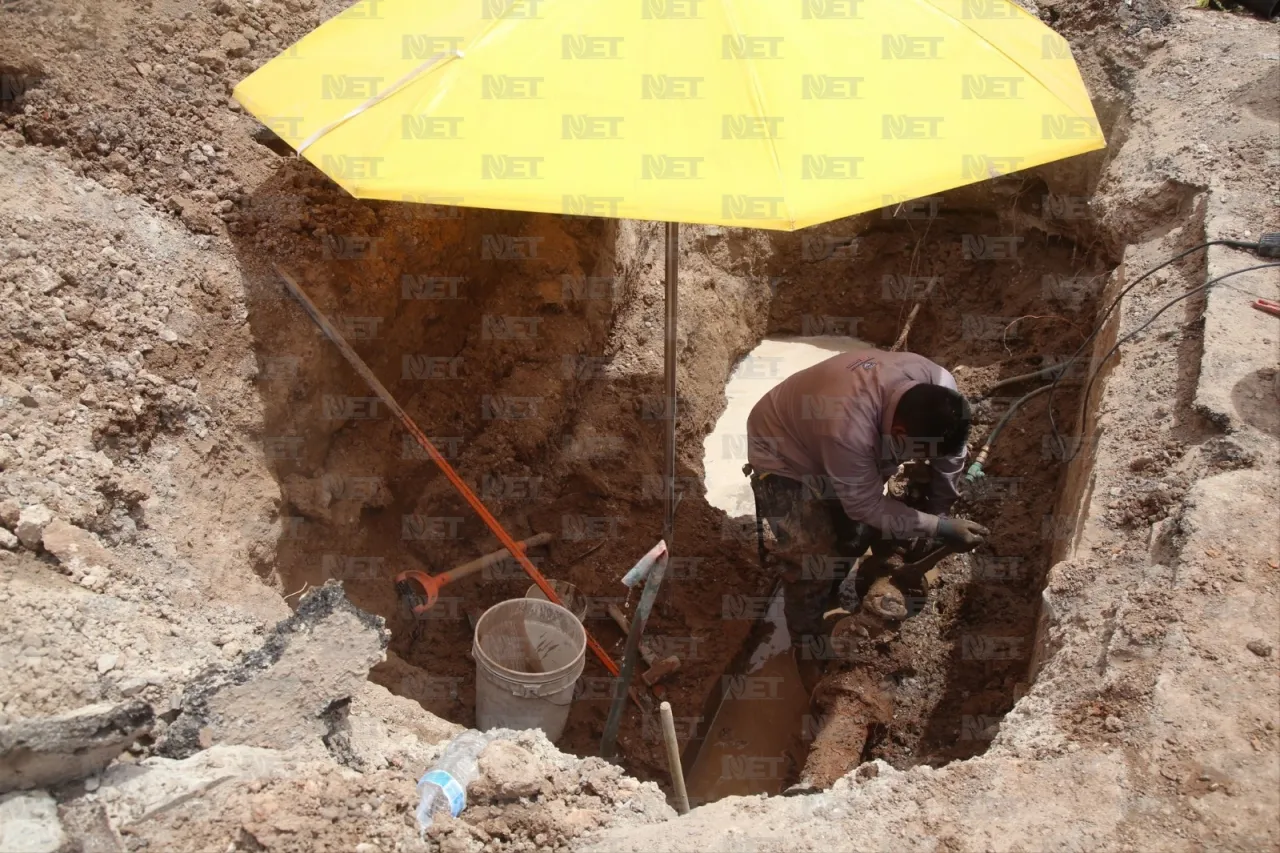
[
  {"x": 756, "y": 740},
  {"x": 768, "y": 364}
]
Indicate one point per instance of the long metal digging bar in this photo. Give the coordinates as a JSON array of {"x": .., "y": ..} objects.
[
  {"x": 609, "y": 741},
  {"x": 366, "y": 374}
]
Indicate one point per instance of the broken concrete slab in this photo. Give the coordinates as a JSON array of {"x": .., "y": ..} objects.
[
  {"x": 29, "y": 823},
  {"x": 1237, "y": 384},
  {"x": 385, "y": 730},
  {"x": 48, "y": 751},
  {"x": 282, "y": 695}
]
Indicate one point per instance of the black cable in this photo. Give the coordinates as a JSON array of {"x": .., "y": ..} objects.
[
  {"x": 1101, "y": 321},
  {"x": 974, "y": 471},
  {"x": 1017, "y": 404},
  {"x": 1014, "y": 380},
  {"x": 990, "y": 441},
  {"x": 1089, "y": 386}
]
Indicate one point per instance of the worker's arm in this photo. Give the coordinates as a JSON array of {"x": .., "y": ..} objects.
[
  {"x": 944, "y": 483},
  {"x": 856, "y": 481}
]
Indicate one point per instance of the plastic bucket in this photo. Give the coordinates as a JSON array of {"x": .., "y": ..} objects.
[
  {"x": 513, "y": 639},
  {"x": 574, "y": 600}
]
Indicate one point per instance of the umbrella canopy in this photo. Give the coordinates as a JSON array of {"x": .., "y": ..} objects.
[{"x": 758, "y": 113}]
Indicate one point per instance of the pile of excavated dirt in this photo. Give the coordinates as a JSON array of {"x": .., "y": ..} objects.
[
  {"x": 528, "y": 796},
  {"x": 185, "y": 463}
]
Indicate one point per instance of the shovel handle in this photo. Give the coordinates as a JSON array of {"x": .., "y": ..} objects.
[{"x": 470, "y": 568}]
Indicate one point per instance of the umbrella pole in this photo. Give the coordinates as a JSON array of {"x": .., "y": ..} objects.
[
  {"x": 608, "y": 742},
  {"x": 669, "y": 363}
]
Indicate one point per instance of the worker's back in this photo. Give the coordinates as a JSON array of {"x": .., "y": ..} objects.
[{"x": 845, "y": 399}]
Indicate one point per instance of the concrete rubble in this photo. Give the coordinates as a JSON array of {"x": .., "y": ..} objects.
[
  {"x": 29, "y": 823},
  {"x": 43, "y": 752},
  {"x": 289, "y": 693}
]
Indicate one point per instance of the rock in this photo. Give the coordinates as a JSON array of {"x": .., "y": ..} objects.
[
  {"x": 51, "y": 750},
  {"x": 8, "y": 541},
  {"x": 106, "y": 663},
  {"x": 29, "y": 823},
  {"x": 77, "y": 550},
  {"x": 235, "y": 44},
  {"x": 212, "y": 58},
  {"x": 9, "y": 512},
  {"x": 507, "y": 772},
  {"x": 195, "y": 217},
  {"x": 128, "y": 487},
  {"x": 1113, "y": 724},
  {"x": 389, "y": 730},
  {"x": 1259, "y": 648},
  {"x": 31, "y": 524},
  {"x": 11, "y": 390},
  {"x": 290, "y": 692}
]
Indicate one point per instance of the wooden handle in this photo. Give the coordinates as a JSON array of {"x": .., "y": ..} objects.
[
  {"x": 489, "y": 559},
  {"x": 673, "y": 757},
  {"x": 621, "y": 618}
]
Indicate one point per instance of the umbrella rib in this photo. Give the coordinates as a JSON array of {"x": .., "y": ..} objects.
[
  {"x": 1050, "y": 89},
  {"x": 378, "y": 98},
  {"x": 753, "y": 85}
]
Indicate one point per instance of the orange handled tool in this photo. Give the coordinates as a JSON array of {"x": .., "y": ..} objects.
[
  {"x": 357, "y": 364},
  {"x": 432, "y": 584}
]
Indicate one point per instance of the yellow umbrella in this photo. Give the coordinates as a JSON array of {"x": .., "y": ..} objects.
[{"x": 765, "y": 113}]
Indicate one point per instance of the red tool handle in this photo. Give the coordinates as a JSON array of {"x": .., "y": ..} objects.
[{"x": 1266, "y": 306}]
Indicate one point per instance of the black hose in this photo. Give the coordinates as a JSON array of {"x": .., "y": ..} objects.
[
  {"x": 1017, "y": 404},
  {"x": 975, "y": 470},
  {"x": 1234, "y": 244},
  {"x": 1014, "y": 380},
  {"x": 1089, "y": 387}
]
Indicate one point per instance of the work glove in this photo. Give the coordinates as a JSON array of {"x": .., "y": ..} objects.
[{"x": 961, "y": 533}]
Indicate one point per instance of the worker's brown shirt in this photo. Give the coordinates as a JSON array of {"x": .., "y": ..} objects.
[{"x": 828, "y": 426}]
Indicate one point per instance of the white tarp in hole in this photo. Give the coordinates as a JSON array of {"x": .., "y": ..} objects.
[{"x": 724, "y": 451}]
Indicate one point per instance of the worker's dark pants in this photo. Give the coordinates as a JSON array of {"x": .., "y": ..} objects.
[{"x": 815, "y": 549}]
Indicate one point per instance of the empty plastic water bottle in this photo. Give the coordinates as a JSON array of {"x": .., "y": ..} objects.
[{"x": 443, "y": 788}]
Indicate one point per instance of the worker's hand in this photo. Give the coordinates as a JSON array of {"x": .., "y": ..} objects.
[{"x": 961, "y": 533}]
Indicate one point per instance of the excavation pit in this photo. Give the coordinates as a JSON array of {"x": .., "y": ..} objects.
[{"x": 529, "y": 349}]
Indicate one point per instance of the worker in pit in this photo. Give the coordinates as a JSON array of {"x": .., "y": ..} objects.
[{"x": 822, "y": 445}]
